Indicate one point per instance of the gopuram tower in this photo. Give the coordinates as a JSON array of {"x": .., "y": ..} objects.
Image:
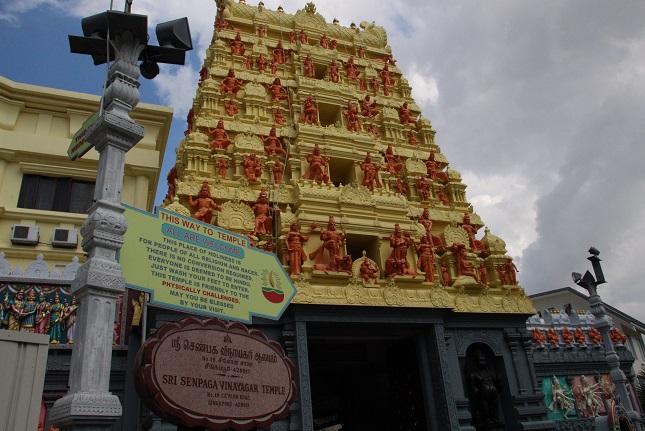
[{"x": 304, "y": 136}]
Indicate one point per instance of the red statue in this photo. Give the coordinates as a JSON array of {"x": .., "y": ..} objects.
[
  {"x": 262, "y": 211},
  {"x": 442, "y": 197},
  {"x": 595, "y": 336},
  {"x": 310, "y": 111},
  {"x": 237, "y": 46},
  {"x": 422, "y": 188},
  {"x": 279, "y": 53},
  {"x": 262, "y": 31},
  {"x": 393, "y": 163},
  {"x": 203, "y": 75},
  {"x": 333, "y": 44},
  {"x": 616, "y": 336},
  {"x": 324, "y": 42},
  {"x": 333, "y": 72},
  {"x": 295, "y": 254},
  {"x": 172, "y": 176},
  {"x": 292, "y": 37},
  {"x": 189, "y": 121},
  {"x": 476, "y": 245},
  {"x": 368, "y": 271},
  {"x": 433, "y": 167},
  {"x": 580, "y": 336},
  {"x": 405, "y": 115},
  {"x": 222, "y": 165},
  {"x": 332, "y": 241},
  {"x": 302, "y": 37},
  {"x": 361, "y": 84},
  {"x": 411, "y": 139},
  {"x": 220, "y": 137},
  {"x": 374, "y": 85},
  {"x": 353, "y": 123},
  {"x": 483, "y": 273},
  {"x": 231, "y": 107},
  {"x": 370, "y": 170},
  {"x": 463, "y": 266},
  {"x": 369, "y": 107},
  {"x": 360, "y": 51},
  {"x": 252, "y": 167},
  {"x": 274, "y": 67},
  {"x": 352, "y": 69},
  {"x": 538, "y": 337},
  {"x": 511, "y": 271},
  {"x": 426, "y": 258},
  {"x": 277, "y": 170},
  {"x": 279, "y": 117},
  {"x": 397, "y": 263},
  {"x": 261, "y": 63},
  {"x": 249, "y": 62},
  {"x": 567, "y": 336},
  {"x": 373, "y": 130},
  {"x": 273, "y": 144},
  {"x": 204, "y": 203},
  {"x": 386, "y": 76},
  {"x": 310, "y": 69},
  {"x": 400, "y": 187},
  {"x": 318, "y": 166},
  {"x": 278, "y": 92},
  {"x": 424, "y": 220},
  {"x": 230, "y": 84},
  {"x": 501, "y": 270},
  {"x": 389, "y": 60},
  {"x": 553, "y": 337}
]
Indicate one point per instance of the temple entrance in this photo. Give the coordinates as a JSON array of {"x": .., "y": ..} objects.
[{"x": 366, "y": 384}]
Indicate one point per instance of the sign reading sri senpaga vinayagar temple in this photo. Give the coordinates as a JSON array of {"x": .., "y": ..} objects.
[
  {"x": 206, "y": 373},
  {"x": 198, "y": 268}
]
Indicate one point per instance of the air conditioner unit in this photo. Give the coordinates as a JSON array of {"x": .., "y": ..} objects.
[
  {"x": 65, "y": 238},
  {"x": 26, "y": 235}
]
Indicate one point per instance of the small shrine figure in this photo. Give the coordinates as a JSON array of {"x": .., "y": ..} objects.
[
  {"x": 422, "y": 188},
  {"x": 360, "y": 51},
  {"x": 361, "y": 84},
  {"x": 204, "y": 204},
  {"x": 369, "y": 107},
  {"x": 302, "y": 37},
  {"x": 353, "y": 123},
  {"x": 442, "y": 197},
  {"x": 137, "y": 312},
  {"x": 269, "y": 246},
  {"x": 400, "y": 187},
  {"x": 292, "y": 36},
  {"x": 352, "y": 69},
  {"x": 426, "y": 258},
  {"x": 279, "y": 117},
  {"x": 501, "y": 271},
  {"x": 318, "y": 166},
  {"x": 333, "y": 44},
  {"x": 279, "y": 53},
  {"x": 261, "y": 63},
  {"x": 277, "y": 170},
  {"x": 324, "y": 42},
  {"x": 220, "y": 137},
  {"x": 28, "y": 314},
  {"x": 56, "y": 321},
  {"x": 373, "y": 130},
  {"x": 553, "y": 337},
  {"x": 595, "y": 336},
  {"x": 42, "y": 314},
  {"x": 538, "y": 337},
  {"x": 252, "y": 167},
  {"x": 189, "y": 122},
  {"x": 484, "y": 389},
  {"x": 425, "y": 221},
  {"x": 15, "y": 310},
  {"x": 334, "y": 74},
  {"x": 511, "y": 271},
  {"x": 411, "y": 139},
  {"x": 222, "y": 166},
  {"x": 368, "y": 271},
  {"x": 203, "y": 75},
  {"x": 309, "y": 111},
  {"x": 310, "y": 69},
  {"x": 464, "y": 268},
  {"x": 262, "y": 31},
  {"x": 617, "y": 336},
  {"x": 273, "y": 144},
  {"x": 263, "y": 211},
  {"x": 237, "y": 46},
  {"x": 278, "y": 92},
  {"x": 274, "y": 67},
  {"x": 445, "y": 274},
  {"x": 433, "y": 169},
  {"x": 70, "y": 320},
  {"x": 387, "y": 79},
  {"x": 5, "y": 311},
  {"x": 248, "y": 63},
  {"x": 389, "y": 60},
  {"x": 567, "y": 336},
  {"x": 374, "y": 85},
  {"x": 580, "y": 337},
  {"x": 172, "y": 187},
  {"x": 220, "y": 23},
  {"x": 231, "y": 107},
  {"x": 370, "y": 171},
  {"x": 476, "y": 245},
  {"x": 483, "y": 273},
  {"x": 561, "y": 401},
  {"x": 230, "y": 84},
  {"x": 405, "y": 115},
  {"x": 590, "y": 397},
  {"x": 296, "y": 256},
  {"x": 333, "y": 242},
  {"x": 397, "y": 263}
]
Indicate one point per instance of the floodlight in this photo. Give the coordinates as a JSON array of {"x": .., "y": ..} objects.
[{"x": 175, "y": 34}]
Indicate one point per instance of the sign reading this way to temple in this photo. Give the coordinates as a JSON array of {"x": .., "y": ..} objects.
[
  {"x": 205, "y": 373},
  {"x": 198, "y": 268}
]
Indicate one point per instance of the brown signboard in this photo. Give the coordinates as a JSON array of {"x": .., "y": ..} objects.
[{"x": 207, "y": 373}]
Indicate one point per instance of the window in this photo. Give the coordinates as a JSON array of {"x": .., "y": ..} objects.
[{"x": 55, "y": 194}]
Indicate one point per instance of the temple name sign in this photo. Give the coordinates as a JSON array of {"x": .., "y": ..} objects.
[{"x": 198, "y": 268}]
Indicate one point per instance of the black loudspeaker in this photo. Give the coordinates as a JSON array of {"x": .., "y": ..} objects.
[{"x": 175, "y": 33}]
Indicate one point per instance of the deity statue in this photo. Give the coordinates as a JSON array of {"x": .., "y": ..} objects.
[
  {"x": 595, "y": 336},
  {"x": 274, "y": 67},
  {"x": 278, "y": 92},
  {"x": 28, "y": 313},
  {"x": 222, "y": 166},
  {"x": 397, "y": 263},
  {"x": 231, "y": 108},
  {"x": 279, "y": 117},
  {"x": 617, "y": 336},
  {"x": 5, "y": 311},
  {"x": 360, "y": 51},
  {"x": 204, "y": 204},
  {"x": 387, "y": 79},
  {"x": 368, "y": 271},
  {"x": 263, "y": 217},
  {"x": 302, "y": 37},
  {"x": 310, "y": 69},
  {"x": 560, "y": 401},
  {"x": 501, "y": 271},
  {"x": 370, "y": 170},
  {"x": 279, "y": 53},
  {"x": 361, "y": 83},
  {"x": 433, "y": 169},
  {"x": 425, "y": 221},
  {"x": 203, "y": 75},
  {"x": 445, "y": 274},
  {"x": 137, "y": 311},
  {"x": 248, "y": 63},
  {"x": 324, "y": 42},
  {"x": 464, "y": 268},
  {"x": 442, "y": 197},
  {"x": 309, "y": 111},
  {"x": 220, "y": 138},
  {"x": 333, "y": 44},
  {"x": 369, "y": 107},
  {"x": 296, "y": 256},
  {"x": 262, "y": 31},
  {"x": 485, "y": 387},
  {"x": 373, "y": 130},
  {"x": 511, "y": 271},
  {"x": 230, "y": 84},
  {"x": 411, "y": 139},
  {"x": 273, "y": 144},
  {"x": 56, "y": 320},
  {"x": 277, "y": 170},
  {"x": 292, "y": 37},
  {"x": 42, "y": 314},
  {"x": 69, "y": 314},
  {"x": 553, "y": 337},
  {"x": 389, "y": 60},
  {"x": 422, "y": 188},
  {"x": 318, "y": 166},
  {"x": 332, "y": 242},
  {"x": 261, "y": 63},
  {"x": 426, "y": 258},
  {"x": 538, "y": 337},
  {"x": 483, "y": 273},
  {"x": 400, "y": 187},
  {"x": 580, "y": 337},
  {"x": 189, "y": 121},
  {"x": 237, "y": 46},
  {"x": 590, "y": 397},
  {"x": 374, "y": 85},
  {"x": 170, "y": 178},
  {"x": 252, "y": 167},
  {"x": 334, "y": 74},
  {"x": 567, "y": 336},
  {"x": 353, "y": 123},
  {"x": 405, "y": 115},
  {"x": 15, "y": 310},
  {"x": 352, "y": 69},
  {"x": 476, "y": 245}
]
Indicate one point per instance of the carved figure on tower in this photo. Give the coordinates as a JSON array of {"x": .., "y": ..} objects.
[
  {"x": 334, "y": 74},
  {"x": 324, "y": 42},
  {"x": 590, "y": 396},
  {"x": 433, "y": 169},
  {"x": 332, "y": 242},
  {"x": 595, "y": 336},
  {"x": 511, "y": 271},
  {"x": 237, "y": 46},
  {"x": 231, "y": 107},
  {"x": 476, "y": 246},
  {"x": 361, "y": 83},
  {"x": 222, "y": 166},
  {"x": 310, "y": 69},
  {"x": 262, "y": 31},
  {"x": 230, "y": 84},
  {"x": 203, "y": 75},
  {"x": 204, "y": 204},
  {"x": 171, "y": 178},
  {"x": 483, "y": 273},
  {"x": 425, "y": 221},
  {"x": 501, "y": 271},
  {"x": 442, "y": 197},
  {"x": 445, "y": 274},
  {"x": 351, "y": 68},
  {"x": 309, "y": 111},
  {"x": 261, "y": 63},
  {"x": 397, "y": 263},
  {"x": 189, "y": 122},
  {"x": 617, "y": 336},
  {"x": 426, "y": 258},
  {"x": 277, "y": 170},
  {"x": 353, "y": 123},
  {"x": 302, "y": 37},
  {"x": 249, "y": 62},
  {"x": 370, "y": 171},
  {"x": 263, "y": 211},
  {"x": 279, "y": 53},
  {"x": 580, "y": 336},
  {"x": 553, "y": 337},
  {"x": 318, "y": 166},
  {"x": 292, "y": 37},
  {"x": 422, "y": 188},
  {"x": 373, "y": 130},
  {"x": 252, "y": 165},
  {"x": 42, "y": 314},
  {"x": 219, "y": 135},
  {"x": 405, "y": 115},
  {"x": 374, "y": 85},
  {"x": 295, "y": 254},
  {"x": 561, "y": 401},
  {"x": 273, "y": 144},
  {"x": 464, "y": 268},
  {"x": 369, "y": 107},
  {"x": 360, "y": 51},
  {"x": 567, "y": 336},
  {"x": 279, "y": 117},
  {"x": 400, "y": 187},
  {"x": 278, "y": 92},
  {"x": 387, "y": 79},
  {"x": 538, "y": 337},
  {"x": 411, "y": 139}
]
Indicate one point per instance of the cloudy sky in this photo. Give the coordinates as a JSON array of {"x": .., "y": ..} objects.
[{"x": 539, "y": 105}]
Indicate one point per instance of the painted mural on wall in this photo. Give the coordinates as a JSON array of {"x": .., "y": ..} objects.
[{"x": 558, "y": 398}]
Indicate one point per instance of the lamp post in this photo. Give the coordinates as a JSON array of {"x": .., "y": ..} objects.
[
  {"x": 120, "y": 37},
  {"x": 603, "y": 326}
]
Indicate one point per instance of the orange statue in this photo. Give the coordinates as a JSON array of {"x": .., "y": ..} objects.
[
  {"x": 292, "y": 37},
  {"x": 445, "y": 274},
  {"x": 203, "y": 75},
  {"x": 262, "y": 31},
  {"x": 310, "y": 69},
  {"x": 405, "y": 115},
  {"x": 302, "y": 37},
  {"x": 397, "y": 263},
  {"x": 369, "y": 107},
  {"x": 273, "y": 144},
  {"x": 295, "y": 254},
  {"x": 476, "y": 245},
  {"x": 463, "y": 266},
  {"x": 400, "y": 187},
  {"x": 189, "y": 121},
  {"x": 617, "y": 336},
  {"x": 279, "y": 116},
  {"x": 230, "y": 84},
  {"x": 426, "y": 258},
  {"x": 360, "y": 51},
  {"x": 279, "y": 53},
  {"x": 538, "y": 337},
  {"x": 310, "y": 111},
  {"x": 553, "y": 337},
  {"x": 361, "y": 84},
  {"x": 595, "y": 336},
  {"x": 261, "y": 63},
  {"x": 277, "y": 170},
  {"x": 567, "y": 336},
  {"x": 433, "y": 167},
  {"x": 263, "y": 211},
  {"x": 237, "y": 46},
  {"x": 442, "y": 197},
  {"x": 370, "y": 171},
  {"x": 511, "y": 271},
  {"x": 579, "y": 336},
  {"x": 333, "y": 72},
  {"x": 324, "y": 42},
  {"x": 318, "y": 166},
  {"x": 368, "y": 271},
  {"x": 204, "y": 204},
  {"x": 231, "y": 107},
  {"x": 333, "y": 44},
  {"x": 352, "y": 69},
  {"x": 373, "y": 130},
  {"x": 483, "y": 273},
  {"x": 424, "y": 220},
  {"x": 172, "y": 176},
  {"x": 274, "y": 67},
  {"x": 222, "y": 165},
  {"x": 388, "y": 81},
  {"x": 422, "y": 188},
  {"x": 220, "y": 137},
  {"x": 389, "y": 60},
  {"x": 411, "y": 139},
  {"x": 332, "y": 241},
  {"x": 374, "y": 85},
  {"x": 501, "y": 271},
  {"x": 252, "y": 167},
  {"x": 353, "y": 123},
  {"x": 278, "y": 92},
  {"x": 249, "y": 62}
]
